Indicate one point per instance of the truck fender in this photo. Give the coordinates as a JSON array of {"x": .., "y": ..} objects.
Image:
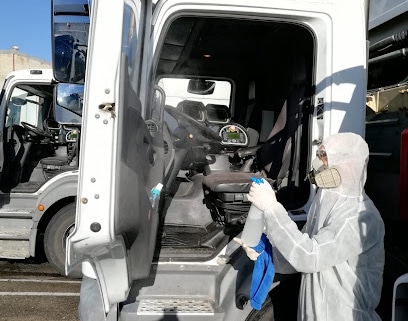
[{"x": 59, "y": 187}]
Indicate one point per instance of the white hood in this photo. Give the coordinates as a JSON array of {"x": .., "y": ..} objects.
[{"x": 348, "y": 153}]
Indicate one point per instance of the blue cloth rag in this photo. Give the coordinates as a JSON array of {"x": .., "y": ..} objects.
[{"x": 263, "y": 274}]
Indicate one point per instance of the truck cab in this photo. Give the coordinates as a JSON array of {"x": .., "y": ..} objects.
[
  {"x": 192, "y": 99},
  {"x": 39, "y": 167}
]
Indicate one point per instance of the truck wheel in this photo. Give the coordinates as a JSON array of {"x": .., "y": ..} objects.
[
  {"x": 265, "y": 314},
  {"x": 55, "y": 239}
]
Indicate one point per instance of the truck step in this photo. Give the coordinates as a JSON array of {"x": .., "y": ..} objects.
[
  {"x": 14, "y": 249},
  {"x": 16, "y": 213},
  {"x": 15, "y": 229},
  {"x": 176, "y": 306},
  {"x": 15, "y": 234}
]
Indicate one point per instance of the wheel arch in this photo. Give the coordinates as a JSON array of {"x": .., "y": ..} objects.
[
  {"x": 54, "y": 195},
  {"x": 46, "y": 217}
]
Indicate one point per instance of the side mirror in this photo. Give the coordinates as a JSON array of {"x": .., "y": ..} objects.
[
  {"x": 70, "y": 29},
  {"x": 68, "y": 103},
  {"x": 200, "y": 86}
]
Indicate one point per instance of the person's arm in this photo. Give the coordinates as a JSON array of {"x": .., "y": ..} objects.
[
  {"x": 352, "y": 228},
  {"x": 282, "y": 266},
  {"x": 333, "y": 244}
]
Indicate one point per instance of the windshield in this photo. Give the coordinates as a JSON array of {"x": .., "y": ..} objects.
[{"x": 24, "y": 107}]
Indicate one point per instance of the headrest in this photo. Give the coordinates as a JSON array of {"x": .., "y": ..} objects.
[
  {"x": 194, "y": 109},
  {"x": 218, "y": 113}
]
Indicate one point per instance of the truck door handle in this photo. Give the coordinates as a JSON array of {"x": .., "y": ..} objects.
[{"x": 152, "y": 156}]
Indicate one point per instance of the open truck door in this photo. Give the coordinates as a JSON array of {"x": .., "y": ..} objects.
[
  {"x": 126, "y": 151},
  {"x": 116, "y": 219}
]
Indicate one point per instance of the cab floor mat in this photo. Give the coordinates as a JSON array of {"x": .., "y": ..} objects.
[
  {"x": 182, "y": 237},
  {"x": 185, "y": 243}
]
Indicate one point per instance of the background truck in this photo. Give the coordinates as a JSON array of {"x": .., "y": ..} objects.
[
  {"x": 387, "y": 136},
  {"x": 387, "y": 101},
  {"x": 38, "y": 167}
]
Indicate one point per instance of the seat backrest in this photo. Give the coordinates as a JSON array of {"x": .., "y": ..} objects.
[
  {"x": 278, "y": 155},
  {"x": 250, "y": 104},
  {"x": 15, "y": 151},
  {"x": 247, "y": 119}
]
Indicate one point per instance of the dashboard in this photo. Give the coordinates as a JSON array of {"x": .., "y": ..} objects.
[
  {"x": 216, "y": 117},
  {"x": 233, "y": 135}
]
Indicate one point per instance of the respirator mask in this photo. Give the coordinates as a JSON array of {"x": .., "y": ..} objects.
[{"x": 322, "y": 175}]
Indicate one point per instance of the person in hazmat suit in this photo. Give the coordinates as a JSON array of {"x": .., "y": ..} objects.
[{"x": 340, "y": 250}]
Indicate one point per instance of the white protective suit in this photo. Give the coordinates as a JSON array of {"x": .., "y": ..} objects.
[{"x": 340, "y": 250}]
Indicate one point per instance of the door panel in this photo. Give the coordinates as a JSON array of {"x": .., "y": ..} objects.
[
  {"x": 121, "y": 161},
  {"x": 140, "y": 168}
]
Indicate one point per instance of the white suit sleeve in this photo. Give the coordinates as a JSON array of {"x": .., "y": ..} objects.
[
  {"x": 282, "y": 266},
  {"x": 333, "y": 244}
]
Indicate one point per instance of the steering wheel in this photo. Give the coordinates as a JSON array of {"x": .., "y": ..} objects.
[
  {"x": 194, "y": 127},
  {"x": 36, "y": 131}
]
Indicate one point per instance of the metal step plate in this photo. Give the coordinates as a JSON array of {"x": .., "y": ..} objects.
[
  {"x": 175, "y": 306},
  {"x": 14, "y": 249},
  {"x": 16, "y": 212},
  {"x": 15, "y": 234}
]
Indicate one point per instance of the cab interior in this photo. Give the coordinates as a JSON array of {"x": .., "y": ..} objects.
[
  {"x": 213, "y": 148},
  {"x": 36, "y": 147}
]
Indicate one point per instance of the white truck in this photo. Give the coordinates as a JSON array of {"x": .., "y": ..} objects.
[
  {"x": 39, "y": 168},
  {"x": 173, "y": 257}
]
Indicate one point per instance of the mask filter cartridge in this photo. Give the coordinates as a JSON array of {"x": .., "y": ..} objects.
[{"x": 327, "y": 178}]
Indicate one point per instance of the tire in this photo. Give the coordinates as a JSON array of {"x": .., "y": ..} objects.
[
  {"x": 55, "y": 238},
  {"x": 265, "y": 314}
]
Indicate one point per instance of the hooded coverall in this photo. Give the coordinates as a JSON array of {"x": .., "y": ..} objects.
[{"x": 340, "y": 250}]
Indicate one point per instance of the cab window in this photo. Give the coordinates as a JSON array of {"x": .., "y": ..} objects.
[{"x": 24, "y": 107}]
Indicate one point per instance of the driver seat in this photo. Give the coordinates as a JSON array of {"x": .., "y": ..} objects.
[
  {"x": 225, "y": 193},
  {"x": 16, "y": 151},
  {"x": 64, "y": 161},
  {"x": 58, "y": 164}
]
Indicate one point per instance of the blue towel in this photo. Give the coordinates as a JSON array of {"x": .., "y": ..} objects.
[{"x": 263, "y": 274}]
